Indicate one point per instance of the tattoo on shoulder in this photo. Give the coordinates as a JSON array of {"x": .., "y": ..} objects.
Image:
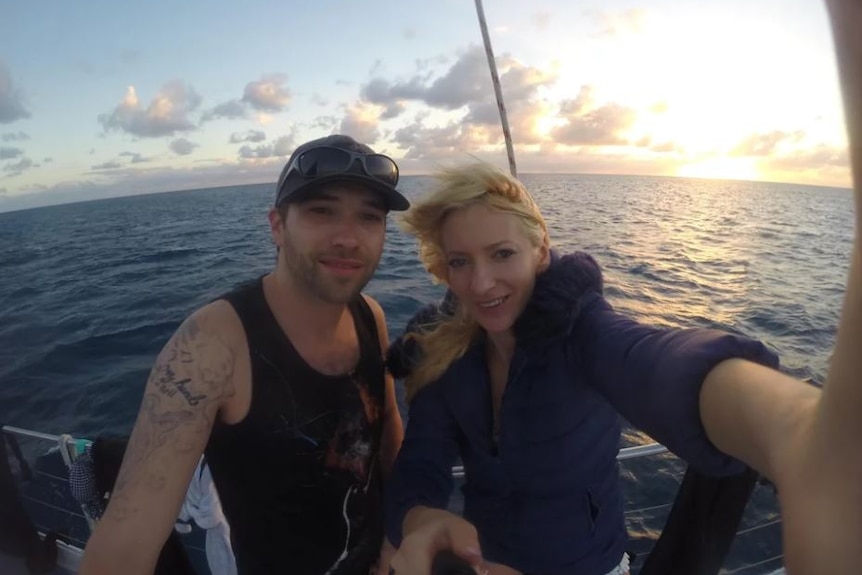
[
  {"x": 209, "y": 360},
  {"x": 169, "y": 386}
]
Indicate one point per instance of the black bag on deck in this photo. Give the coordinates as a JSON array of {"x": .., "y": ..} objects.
[
  {"x": 18, "y": 534},
  {"x": 701, "y": 525},
  {"x": 107, "y": 456}
]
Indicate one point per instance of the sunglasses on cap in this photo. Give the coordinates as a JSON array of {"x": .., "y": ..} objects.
[{"x": 327, "y": 161}]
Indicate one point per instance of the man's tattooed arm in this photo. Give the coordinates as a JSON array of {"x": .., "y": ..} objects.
[{"x": 192, "y": 377}]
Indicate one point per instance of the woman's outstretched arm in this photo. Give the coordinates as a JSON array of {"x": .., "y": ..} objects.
[{"x": 808, "y": 441}]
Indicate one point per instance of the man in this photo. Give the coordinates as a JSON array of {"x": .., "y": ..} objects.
[{"x": 281, "y": 384}]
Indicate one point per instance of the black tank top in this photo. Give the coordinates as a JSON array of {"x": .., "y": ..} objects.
[{"x": 299, "y": 476}]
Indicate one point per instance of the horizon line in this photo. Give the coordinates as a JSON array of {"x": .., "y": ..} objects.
[{"x": 420, "y": 175}]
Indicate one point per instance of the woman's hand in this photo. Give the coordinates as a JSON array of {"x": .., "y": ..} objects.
[
  {"x": 384, "y": 561},
  {"x": 427, "y": 531}
]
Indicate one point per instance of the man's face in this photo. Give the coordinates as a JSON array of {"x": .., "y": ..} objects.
[{"x": 331, "y": 243}]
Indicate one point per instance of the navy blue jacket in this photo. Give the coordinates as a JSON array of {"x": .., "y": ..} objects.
[{"x": 546, "y": 498}]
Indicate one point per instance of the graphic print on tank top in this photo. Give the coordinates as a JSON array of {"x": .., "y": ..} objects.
[
  {"x": 339, "y": 419},
  {"x": 351, "y": 450}
]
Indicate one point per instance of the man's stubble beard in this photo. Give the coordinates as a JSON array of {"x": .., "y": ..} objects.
[{"x": 306, "y": 272}]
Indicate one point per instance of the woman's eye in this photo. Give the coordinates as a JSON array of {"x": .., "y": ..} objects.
[{"x": 457, "y": 262}]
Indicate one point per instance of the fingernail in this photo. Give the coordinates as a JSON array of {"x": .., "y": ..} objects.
[{"x": 474, "y": 551}]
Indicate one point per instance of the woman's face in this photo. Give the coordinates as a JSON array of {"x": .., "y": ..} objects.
[{"x": 491, "y": 263}]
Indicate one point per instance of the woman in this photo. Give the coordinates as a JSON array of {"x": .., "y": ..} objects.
[
  {"x": 523, "y": 378},
  {"x": 523, "y": 370}
]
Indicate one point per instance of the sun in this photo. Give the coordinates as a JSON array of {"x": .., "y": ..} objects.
[{"x": 721, "y": 168}]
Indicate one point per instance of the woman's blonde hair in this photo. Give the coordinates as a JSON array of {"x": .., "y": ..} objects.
[{"x": 448, "y": 338}]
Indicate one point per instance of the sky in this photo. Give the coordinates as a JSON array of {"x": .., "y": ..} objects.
[{"x": 101, "y": 99}]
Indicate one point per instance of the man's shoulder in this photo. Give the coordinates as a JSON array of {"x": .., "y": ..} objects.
[
  {"x": 375, "y": 306},
  {"x": 379, "y": 320},
  {"x": 215, "y": 320}
]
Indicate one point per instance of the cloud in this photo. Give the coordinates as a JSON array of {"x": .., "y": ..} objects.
[
  {"x": 284, "y": 145},
  {"x": 524, "y": 106},
  {"x": 12, "y": 106},
  {"x": 361, "y": 122},
  {"x": 250, "y": 136},
  {"x": 438, "y": 142},
  {"x": 47, "y": 160},
  {"x": 821, "y": 156},
  {"x": 319, "y": 100},
  {"x": 267, "y": 94},
  {"x": 183, "y": 147},
  {"x": 263, "y": 119},
  {"x": 465, "y": 82},
  {"x": 109, "y": 165},
  {"x": 324, "y": 122},
  {"x": 136, "y": 180},
  {"x": 262, "y": 151},
  {"x": 7, "y": 153},
  {"x": 821, "y": 164},
  {"x": 541, "y": 20},
  {"x": 666, "y": 147},
  {"x": 453, "y": 143},
  {"x": 466, "y": 85},
  {"x": 279, "y": 148},
  {"x": 136, "y": 158},
  {"x": 613, "y": 24},
  {"x": 131, "y": 180},
  {"x": 15, "y": 137},
  {"x": 230, "y": 110},
  {"x": 589, "y": 125},
  {"x": 19, "y": 167},
  {"x": 167, "y": 114},
  {"x": 591, "y": 161},
  {"x": 408, "y": 33},
  {"x": 766, "y": 144},
  {"x": 376, "y": 67},
  {"x": 393, "y": 110}
]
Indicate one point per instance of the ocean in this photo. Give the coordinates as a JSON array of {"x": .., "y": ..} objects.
[{"x": 89, "y": 292}]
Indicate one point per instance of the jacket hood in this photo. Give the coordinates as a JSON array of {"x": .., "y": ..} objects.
[{"x": 554, "y": 303}]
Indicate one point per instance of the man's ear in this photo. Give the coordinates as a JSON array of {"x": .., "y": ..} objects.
[{"x": 276, "y": 224}]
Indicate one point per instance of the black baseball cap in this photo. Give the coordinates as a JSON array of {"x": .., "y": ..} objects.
[{"x": 334, "y": 159}]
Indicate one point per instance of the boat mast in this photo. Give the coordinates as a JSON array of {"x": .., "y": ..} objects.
[{"x": 495, "y": 78}]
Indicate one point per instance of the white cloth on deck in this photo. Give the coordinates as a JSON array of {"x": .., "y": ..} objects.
[{"x": 202, "y": 506}]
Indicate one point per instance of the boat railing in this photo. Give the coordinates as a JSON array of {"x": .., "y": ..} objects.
[
  {"x": 625, "y": 454},
  {"x": 21, "y": 432},
  {"x": 457, "y": 470},
  {"x": 53, "y": 498}
]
